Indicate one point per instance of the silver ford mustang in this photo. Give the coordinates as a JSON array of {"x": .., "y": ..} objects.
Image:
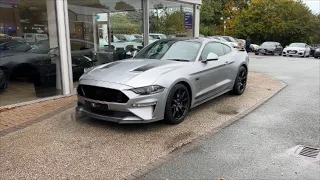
[{"x": 162, "y": 81}]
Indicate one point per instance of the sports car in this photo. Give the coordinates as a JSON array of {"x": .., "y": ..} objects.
[
  {"x": 297, "y": 49},
  {"x": 164, "y": 80},
  {"x": 269, "y": 47}
]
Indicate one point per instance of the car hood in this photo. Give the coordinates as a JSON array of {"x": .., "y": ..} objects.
[
  {"x": 295, "y": 48},
  {"x": 133, "y": 72},
  {"x": 8, "y": 55}
]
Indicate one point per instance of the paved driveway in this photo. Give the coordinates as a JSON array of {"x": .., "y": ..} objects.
[
  {"x": 70, "y": 147},
  {"x": 259, "y": 145}
]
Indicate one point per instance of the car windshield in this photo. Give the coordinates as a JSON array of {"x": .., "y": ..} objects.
[
  {"x": 120, "y": 37},
  {"x": 129, "y": 37},
  {"x": 301, "y": 45},
  {"x": 268, "y": 44},
  {"x": 170, "y": 50}
]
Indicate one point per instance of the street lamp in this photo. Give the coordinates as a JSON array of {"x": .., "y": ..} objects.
[{"x": 224, "y": 24}]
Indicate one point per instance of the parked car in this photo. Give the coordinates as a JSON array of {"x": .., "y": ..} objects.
[
  {"x": 15, "y": 46},
  {"x": 297, "y": 49},
  {"x": 254, "y": 47},
  {"x": 317, "y": 53},
  {"x": 33, "y": 38},
  {"x": 312, "y": 50},
  {"x": 3, "y": 80},
  {"x": 158, "y": 36},
  {"x": 220, "y": 38},
  {"x": 5, "y": 38},
  {"x": 269, "y": 48},
  {"x": 232, "y": 40},
  {"x": 29, "y": 63},
  {"x": 162, "y": 81}
]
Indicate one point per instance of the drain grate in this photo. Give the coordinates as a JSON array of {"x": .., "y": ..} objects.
[{"x": 309, "y": 152}]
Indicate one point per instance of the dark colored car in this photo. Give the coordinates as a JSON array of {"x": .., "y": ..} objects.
[
  {"x": 269, "y": 48},
  {"x": 3, "y": 80},
  {"x": 317, "y": 53},
  {"x": 35, "y": 63},
  {"x": 15, "y": 46}
]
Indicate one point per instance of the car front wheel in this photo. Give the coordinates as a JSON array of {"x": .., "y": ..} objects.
[
  {"x": 177, "y": 105},
  {"x": 240, "y": 82}
]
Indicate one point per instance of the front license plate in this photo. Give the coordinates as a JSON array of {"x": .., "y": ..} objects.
[{"x": 99, "y": 106}]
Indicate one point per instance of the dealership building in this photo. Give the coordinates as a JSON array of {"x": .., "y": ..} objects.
[{"x": 45, "y": 45}]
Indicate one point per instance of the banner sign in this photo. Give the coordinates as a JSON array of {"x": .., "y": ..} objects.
[{"x": 188, "y": 20}]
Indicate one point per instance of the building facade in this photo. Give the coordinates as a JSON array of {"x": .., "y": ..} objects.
[{"x": 45, "y": 45}]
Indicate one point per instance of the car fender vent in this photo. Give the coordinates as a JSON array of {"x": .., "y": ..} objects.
[{"x": 310, "y": 152}]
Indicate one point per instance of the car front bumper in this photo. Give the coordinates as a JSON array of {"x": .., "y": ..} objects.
[
  {"x": 138, "y": 109},
  {"x": 265, "y": 51},
  {"x": 293, "y": 53}
]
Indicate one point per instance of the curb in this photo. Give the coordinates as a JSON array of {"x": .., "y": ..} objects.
[{"x": 183, "y": 148}]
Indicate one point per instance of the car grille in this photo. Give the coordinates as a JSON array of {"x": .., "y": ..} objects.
[
  {"x": 102, "y": 94},
  {"x": 292, "y": 51}
]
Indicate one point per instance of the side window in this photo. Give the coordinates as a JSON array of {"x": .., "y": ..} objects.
[
  {"x": 226, "y": 49},
  {"x": 216, "y": 48}
]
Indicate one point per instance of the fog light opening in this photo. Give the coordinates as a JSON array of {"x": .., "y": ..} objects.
[{"x": 144, "y": 104}]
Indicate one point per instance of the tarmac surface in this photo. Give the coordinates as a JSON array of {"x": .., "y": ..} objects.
[
  {"x": 70, "y": 147},
  {"x": 262, "y": 144}
]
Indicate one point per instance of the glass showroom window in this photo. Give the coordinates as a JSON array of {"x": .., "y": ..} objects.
[
  {"x": 170, "y": 19},
  {"x": 29, "y": 69},
  {"x": 103, "y": 31}
]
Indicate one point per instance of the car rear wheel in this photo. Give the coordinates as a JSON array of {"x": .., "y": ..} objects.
[
  {"x": 178, "y": 104},
  {"x": 3, "y": 81},
  {"x": 240, "y": 82}
]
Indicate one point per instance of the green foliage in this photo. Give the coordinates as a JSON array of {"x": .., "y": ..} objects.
[
  {"x": 122, "y": 25},
  {"x": 285, "y": 21},
  {"x": 167, "y": 21},
  {"x": 210, "y": 14}
]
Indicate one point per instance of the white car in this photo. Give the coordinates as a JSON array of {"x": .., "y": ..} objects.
[
  {"x": 297, "y": 49},
  {"x": 158, "y": 36}
]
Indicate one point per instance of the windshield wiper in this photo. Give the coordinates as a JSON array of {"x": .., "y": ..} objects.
[{"x": 181, "y": 60}]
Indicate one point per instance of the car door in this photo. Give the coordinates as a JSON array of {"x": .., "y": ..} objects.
[{"x": 211, "y": 75}]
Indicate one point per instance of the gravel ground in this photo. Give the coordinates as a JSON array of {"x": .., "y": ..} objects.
[{"x": 67, "y": 146}]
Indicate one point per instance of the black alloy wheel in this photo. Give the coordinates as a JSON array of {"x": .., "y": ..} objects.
[
  {"x": 240, "y": 82},
  {"x": 178, "y": 104}
]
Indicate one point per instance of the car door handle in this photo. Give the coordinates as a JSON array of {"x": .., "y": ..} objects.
[{"x": 228, "y": 62}]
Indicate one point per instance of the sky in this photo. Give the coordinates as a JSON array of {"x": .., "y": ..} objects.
[{"x": 314, "y": 5}]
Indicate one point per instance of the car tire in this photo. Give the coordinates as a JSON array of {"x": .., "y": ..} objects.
[
  {"x": 3, "y": 81},
  {"x": 241, "y": 81},
  {"x": 177, "y": 105},
  {"x": 256, "y": 53}
]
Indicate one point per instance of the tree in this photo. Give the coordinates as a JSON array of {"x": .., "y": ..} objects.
[
  {"x": 285, "y": 21},
  {"x": 210, "y": 14},
  {"x": 122, "y": 25}
]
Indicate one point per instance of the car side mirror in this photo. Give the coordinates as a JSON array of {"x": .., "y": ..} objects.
[{"x": 211, "y": 57}]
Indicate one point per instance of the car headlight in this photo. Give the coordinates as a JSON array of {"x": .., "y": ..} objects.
[
  {"x": 318, "y": 50},
  {"x": 148, "y": 90}
]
